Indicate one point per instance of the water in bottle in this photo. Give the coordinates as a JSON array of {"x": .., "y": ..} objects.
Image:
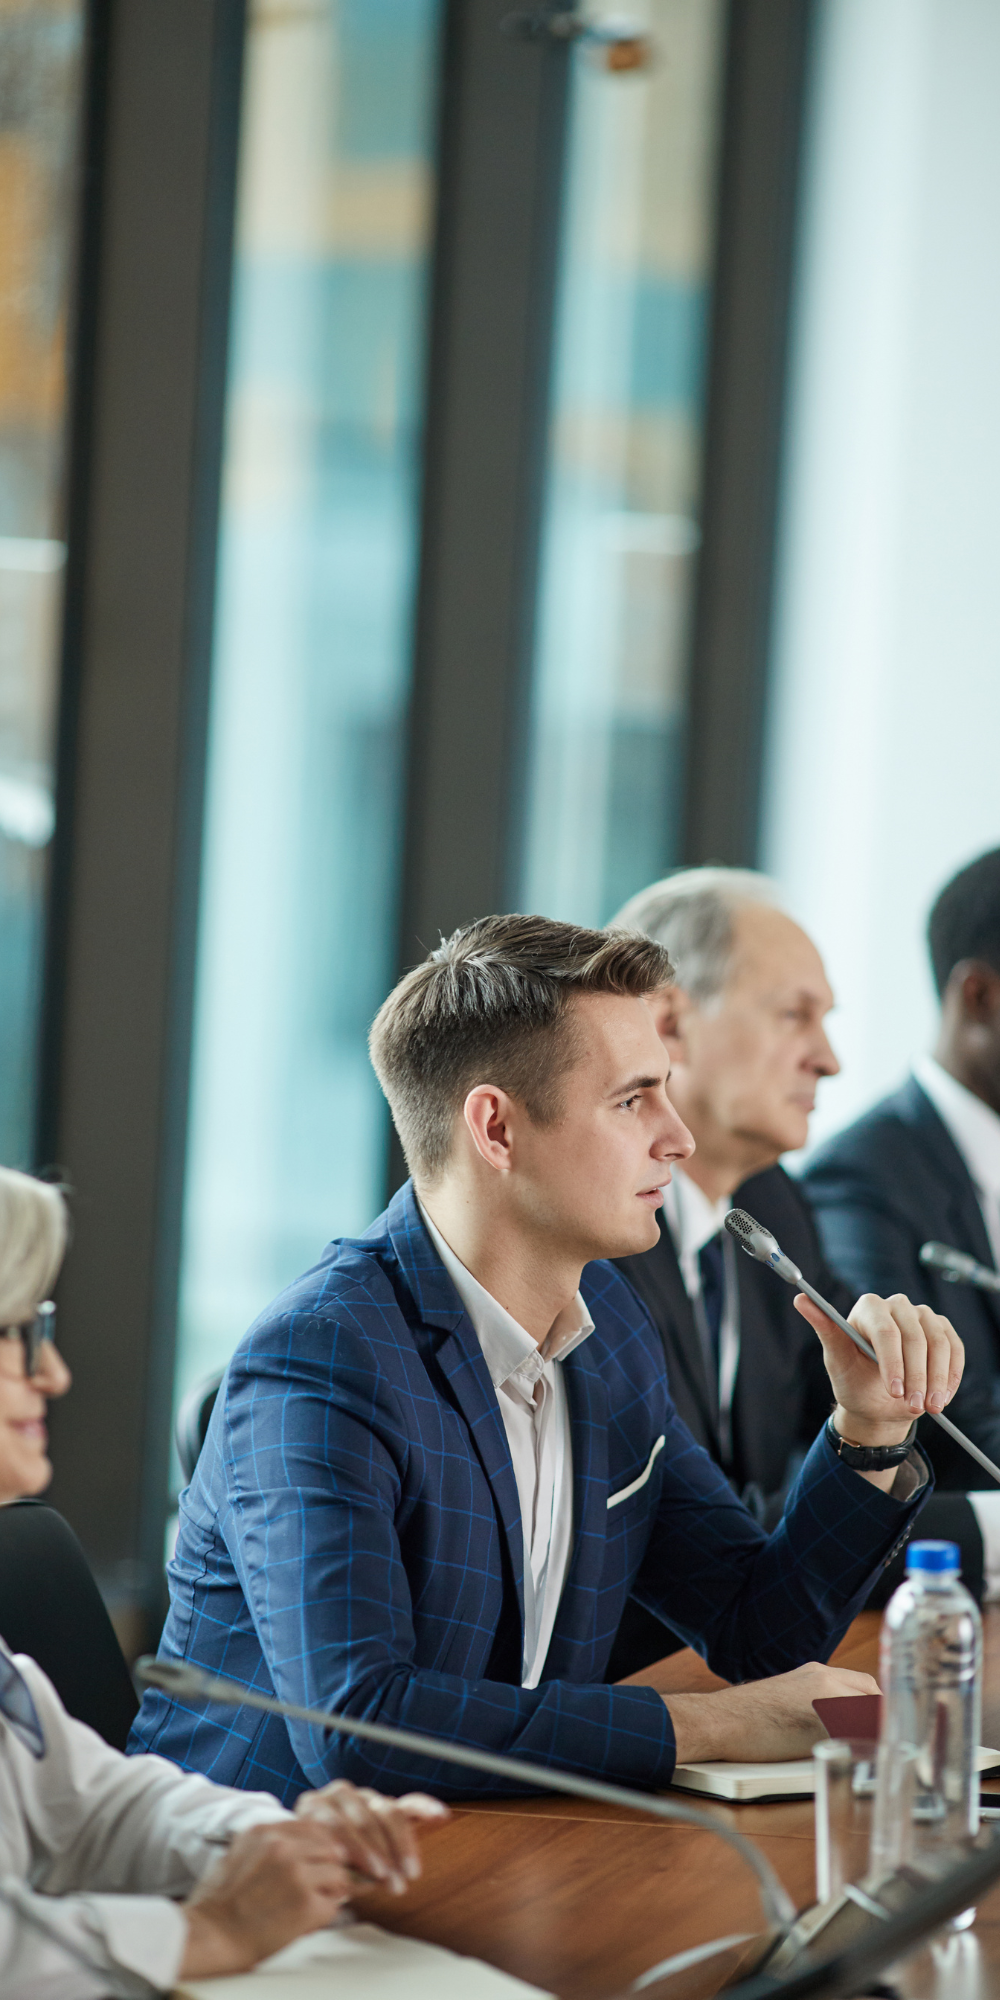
[{"x": 930, "y": 1668}]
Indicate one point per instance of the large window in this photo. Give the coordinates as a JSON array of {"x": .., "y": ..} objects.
[
  {"x": 40, "y": 49},
  {"x": 316, "y": 580},
  {"x": 621, "y": 519},
  {"x": 881, "y": 775}
]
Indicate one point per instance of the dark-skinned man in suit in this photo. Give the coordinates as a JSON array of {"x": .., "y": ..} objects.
[
  {"x": 744, "y": 1030},
  {"x": 924, "y": 1165}
]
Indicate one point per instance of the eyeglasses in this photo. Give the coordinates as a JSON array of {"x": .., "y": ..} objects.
[{"x": 32, "y": 1333}]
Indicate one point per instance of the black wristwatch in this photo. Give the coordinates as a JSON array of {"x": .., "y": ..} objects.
[{"x": 869, "y": 1457}]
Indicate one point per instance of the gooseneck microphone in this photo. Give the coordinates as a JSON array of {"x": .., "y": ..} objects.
[
  {"x": 959, "y": 1269},
  {"x": 815, "y": 1966},
  {"x": 759, "y": 1243},
  {"x": 179, "y": 1678}
]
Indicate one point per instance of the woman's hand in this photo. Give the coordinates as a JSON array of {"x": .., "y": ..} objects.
[
  {"x": 377, "y": 1837},
  {"x": 279, "y": 1881},
  {"x": 275, "y": 1883}
]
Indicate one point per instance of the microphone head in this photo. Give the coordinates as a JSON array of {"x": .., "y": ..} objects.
[
  {"x": 758, "y": 1242},
  {"x": 952, "y": 1264},
  {"x": 751, "y": 1236},
  {"x": 179, "y": 1677}
]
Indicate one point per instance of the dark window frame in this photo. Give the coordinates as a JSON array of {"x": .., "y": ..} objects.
[
  {"x": 768, "y": 48},
  {"x": 148, "y": 375}
]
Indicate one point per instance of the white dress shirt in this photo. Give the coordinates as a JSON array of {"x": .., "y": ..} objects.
[
  {"x": 693, "y": 1219},
  {"x": 93, "y": 1847},
  {"x": 976, "y": 1132},
  {"x": 532, "y": 1398}
]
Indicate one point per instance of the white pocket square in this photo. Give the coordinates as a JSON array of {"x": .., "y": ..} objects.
[{"x": 627, "y": 1491}]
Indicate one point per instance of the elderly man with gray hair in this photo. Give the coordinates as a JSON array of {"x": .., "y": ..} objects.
[{"x": 744, "y": 1027}]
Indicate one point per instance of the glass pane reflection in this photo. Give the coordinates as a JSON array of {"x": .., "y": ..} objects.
[
  {"x": 310, "y": 677},
  {"x": 40, "y": 51},
  {"x": 621, "y": 518}
]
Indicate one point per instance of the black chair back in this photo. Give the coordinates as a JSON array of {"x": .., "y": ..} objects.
[
  {"x": 193, "y": 1419},
  {"x": 51, "y": 1608}
]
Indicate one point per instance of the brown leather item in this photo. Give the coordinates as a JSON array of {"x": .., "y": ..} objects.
[{"x": 851, "y": 1718}]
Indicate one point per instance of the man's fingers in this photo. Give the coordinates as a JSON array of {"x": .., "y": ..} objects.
[
  {"x": 938, "y": 1359},
  {"x": 822, "y": 1324},
  {"x": 846, "y": 1679},
  {"x": 916, "y": 1357},
  {"x": 949, "y": 1357},
  {"x": 902, "y": 1365},
  {"x": 840, "y": 1349},
  {"x": 928, "y": 1344},
  {"x": 920, "y": 1356}
]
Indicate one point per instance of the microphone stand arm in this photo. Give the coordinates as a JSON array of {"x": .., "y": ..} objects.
[{"x": 181, "y": 1680}]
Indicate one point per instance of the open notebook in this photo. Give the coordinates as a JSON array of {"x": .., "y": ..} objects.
[
  {"x": 362, "y": 1962},
  {"x": 743, "y": 1784}
]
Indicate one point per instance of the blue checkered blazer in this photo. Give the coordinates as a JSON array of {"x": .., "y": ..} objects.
[{"x": 352, "y": 1539}]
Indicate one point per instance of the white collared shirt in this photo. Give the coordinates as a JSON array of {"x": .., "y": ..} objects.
[
  {"x": 532, "y": 1398},
  {"x": 976, "y": 1132},
  {"x": 975, "y": 1129},
  {"x": 94, "y": 1847},
  {"x": 693, "y": 1219}
]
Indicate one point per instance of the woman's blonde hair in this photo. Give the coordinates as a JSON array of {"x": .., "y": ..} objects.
[{"x": 33, "y": 1231}]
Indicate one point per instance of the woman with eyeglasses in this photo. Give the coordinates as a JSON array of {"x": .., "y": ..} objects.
[{"x": 122, "y": 1875}]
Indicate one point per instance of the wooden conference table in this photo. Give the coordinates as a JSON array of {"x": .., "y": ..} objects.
[{"x": 580, "y": 1899}]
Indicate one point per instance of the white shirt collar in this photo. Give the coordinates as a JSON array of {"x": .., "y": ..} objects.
[
  {"x": 692, "y": 1219},
  {"x": 507, "y": 1348},
  {"x": 973, "y": 1126}
]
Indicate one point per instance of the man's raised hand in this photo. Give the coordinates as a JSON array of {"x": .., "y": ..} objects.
[{"x": 920, "y": 1363}]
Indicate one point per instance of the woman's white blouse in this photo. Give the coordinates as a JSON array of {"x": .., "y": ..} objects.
[{"x": 93, "y": 1847}]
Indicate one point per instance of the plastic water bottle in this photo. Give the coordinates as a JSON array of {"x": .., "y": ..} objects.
[{"x": 930, "y": 1668}]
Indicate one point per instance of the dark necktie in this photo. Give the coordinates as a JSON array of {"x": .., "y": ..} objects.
[
  {"x": 18, "y": 1709},
  {"x": 711, "y": 1264}
]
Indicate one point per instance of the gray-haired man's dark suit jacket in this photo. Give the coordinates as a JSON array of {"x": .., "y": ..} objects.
[{"x": 782, "y": 1392}]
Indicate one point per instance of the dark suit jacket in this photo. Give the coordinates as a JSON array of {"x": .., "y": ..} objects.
[
  {"x": 351, "y": 1539},
  {"x": 782, "y": 1390},
  {"x": 889, "y": 1183}
]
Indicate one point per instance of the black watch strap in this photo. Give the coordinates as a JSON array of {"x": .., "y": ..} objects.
[{"x": 870, "y": 1457}]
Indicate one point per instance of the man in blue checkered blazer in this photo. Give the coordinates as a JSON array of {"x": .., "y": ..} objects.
[{"x": 443, "y": 1459}]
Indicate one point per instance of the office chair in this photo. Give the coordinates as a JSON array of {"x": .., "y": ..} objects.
[
  {"x": 51, "y": 1608},
  {"x": 946, "y": 1517},
  {"x": 193, "y": 1419}
]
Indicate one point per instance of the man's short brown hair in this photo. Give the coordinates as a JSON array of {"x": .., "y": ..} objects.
[{"x": 490, "y": 1005}]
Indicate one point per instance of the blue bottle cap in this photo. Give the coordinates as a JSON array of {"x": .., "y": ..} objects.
[{"x": 933, "y": 1556}]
